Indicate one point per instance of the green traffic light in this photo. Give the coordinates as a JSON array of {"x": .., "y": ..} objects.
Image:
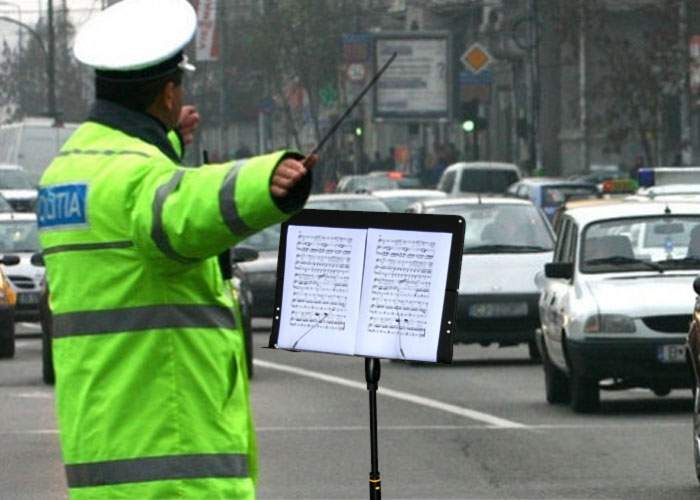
[
  {"x": 358, "y": 131},
  {"x": 468, "y": 126}
]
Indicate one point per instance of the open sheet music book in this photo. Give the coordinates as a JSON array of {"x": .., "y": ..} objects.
[{"x": 373, "y": 292}]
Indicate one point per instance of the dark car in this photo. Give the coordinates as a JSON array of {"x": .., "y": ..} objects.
[
  {"x": 693, "y": 355},
  {"x": 261, "y": 273},
  {"x": 238, "y": 285}
]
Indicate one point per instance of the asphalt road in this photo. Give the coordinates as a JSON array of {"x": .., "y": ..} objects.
[{"x": 479, "y": 429}]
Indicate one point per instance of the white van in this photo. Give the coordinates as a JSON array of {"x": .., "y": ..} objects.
[
  {"x": 17, "y": 188},
  {"x": 33, "y": 143},
  {"x": 478, "y": 177}
]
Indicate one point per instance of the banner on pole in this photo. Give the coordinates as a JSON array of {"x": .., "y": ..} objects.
[{"x": 207, "y": 43}]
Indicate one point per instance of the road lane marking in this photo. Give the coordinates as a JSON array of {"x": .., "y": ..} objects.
[
  {"x": 33, "y": 395},
  {"x": 478, "y": 416},
  {"x": 413, "y": 428}
]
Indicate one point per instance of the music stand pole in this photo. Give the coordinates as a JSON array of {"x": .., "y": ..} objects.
[{"x": 372, "y": 372}]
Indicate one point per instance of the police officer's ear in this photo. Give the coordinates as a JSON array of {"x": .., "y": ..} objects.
[{"x": 168, "y": 103}]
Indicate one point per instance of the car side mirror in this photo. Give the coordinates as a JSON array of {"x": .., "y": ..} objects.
[
  {"x": 563, "y": 270},
  {"x": 10, "y": 260},
  {"x": 243, "y": 254},
  {"x": 37, "y": 259},
  {"x": 696, "y": 285}
]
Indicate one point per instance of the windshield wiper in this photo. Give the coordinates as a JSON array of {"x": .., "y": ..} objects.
[
  {"x": 505, "y": 249},
  {"x": 684, "y": 260},
  {"x": 621, "y": 259}
]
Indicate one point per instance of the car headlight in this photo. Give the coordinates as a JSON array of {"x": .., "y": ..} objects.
[{"x": 609, "y": 323}]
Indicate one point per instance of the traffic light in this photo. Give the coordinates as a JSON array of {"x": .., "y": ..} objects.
[
  {"x": 471, "y": 118},
  {"x": 354, "y": 127}
]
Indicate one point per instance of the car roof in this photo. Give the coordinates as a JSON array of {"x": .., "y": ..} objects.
[
  {"x": 341, "y": 196},
  {"x": 483, "y": 164},
  {"x": 20, "y": 216},
  {"x": 631, "y": 208},
  {"x": 402, "y": 193},
  {"x": 473, "y": 200},
  {"x": 558, "y": 181}
]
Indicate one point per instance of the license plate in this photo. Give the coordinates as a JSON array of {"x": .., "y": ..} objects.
[
  {"x": 674, "y": 353},
  {"x": 498, "y": 310},
  {"x": 28, "y": 298}
]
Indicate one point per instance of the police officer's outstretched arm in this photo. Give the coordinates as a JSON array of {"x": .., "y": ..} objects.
[{"x": 187, "y": 214}]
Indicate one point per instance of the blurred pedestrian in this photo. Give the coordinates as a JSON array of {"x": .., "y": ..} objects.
[{"x": 151, "y": 386}]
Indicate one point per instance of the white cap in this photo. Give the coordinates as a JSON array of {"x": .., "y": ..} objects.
[{"x": 134, "y": 35}]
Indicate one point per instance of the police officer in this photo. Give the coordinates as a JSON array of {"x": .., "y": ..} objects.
[{"x": 151, "y": 389}]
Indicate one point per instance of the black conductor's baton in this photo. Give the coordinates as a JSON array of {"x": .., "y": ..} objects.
[{"x": 352, "y": 106}]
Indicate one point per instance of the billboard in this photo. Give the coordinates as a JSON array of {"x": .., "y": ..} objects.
[{"x": 416, "y": 87}]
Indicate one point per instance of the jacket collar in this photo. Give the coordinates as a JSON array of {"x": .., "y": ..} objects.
[{"x": 140, "y": 125}]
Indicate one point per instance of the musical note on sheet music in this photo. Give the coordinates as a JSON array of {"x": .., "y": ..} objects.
[
  {"x": 321, "y": 280},
  {"x": 400, "y": 293}
]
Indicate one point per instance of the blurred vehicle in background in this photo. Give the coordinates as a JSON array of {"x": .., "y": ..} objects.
[
  {"x": 403, "y": 180},
  {"x": 398, "y": 200},
  {"x": 17, "y": 188},
  {"x": 33, "y": 143},
  {"x": 478, "y": 177},
  {"x": 261, "y": 273},
  {"x": 18, "y": 236},
  {"x": 377, "y": 180},
  {"x": 507, "y": 241},
  {"x": 238, "y": 288},
  {"x": 8, "y": 299},
  {"x": 599, "y": 174},
  {"x": 549, "y": 193},
  {"x": 616, "y": 300}
]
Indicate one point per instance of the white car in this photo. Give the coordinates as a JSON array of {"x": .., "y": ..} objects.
[
  {"x": 398, "y": 200},
  {"x": 18, "y": 236},
  {"x": 507, "y": 241},
  {"x": 16, "y": 187},
  {"x": 617, "y": 300},
  {"x": 465, "y": 178}
]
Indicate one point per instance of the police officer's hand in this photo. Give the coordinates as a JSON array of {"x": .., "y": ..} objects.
[
  {"x": 188, "y": 123},
  {"x": 289, "y": 173}
]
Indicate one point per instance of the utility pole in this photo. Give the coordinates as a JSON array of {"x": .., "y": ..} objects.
[
  {"x": 534, "y": 27},
  {"x": 687, "y": 153},
  {"x": 51, "y": 63},
  {"x": 583, "y": 104}
]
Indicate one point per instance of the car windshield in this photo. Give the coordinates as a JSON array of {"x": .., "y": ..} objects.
[
  {"x": 362, "y": 204},
  {"x": 14, "y": 179},
  {"x": 486, "y": 180},
  {"x": 501, "y": 228},
  {"x": 656, "y": 243},
  {"x": 19, "y": 236},
  {"x": 555, "y": 196}
]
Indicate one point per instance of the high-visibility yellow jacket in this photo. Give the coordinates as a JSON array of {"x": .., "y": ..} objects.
[{"x": 151, "y": 389}]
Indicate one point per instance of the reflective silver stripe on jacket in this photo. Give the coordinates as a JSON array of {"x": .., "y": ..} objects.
[
  {"x": 79, "y": 247},
  {"x": 160, "y": 238},
  {"x": 135, "y": 319},
  {"x": 227, "y": 202},
  {"x": 138, "y": 470},
  {"x": 102, "y": 152}
]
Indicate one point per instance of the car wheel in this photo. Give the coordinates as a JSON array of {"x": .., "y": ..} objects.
[
  {"x": 556, "y": 383},
  {"x": 533, "y": 351},
  {"x": 696, "y": 432},
  {"x": 585, "y": 394},
  {"x": 7, "y": 343}
]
